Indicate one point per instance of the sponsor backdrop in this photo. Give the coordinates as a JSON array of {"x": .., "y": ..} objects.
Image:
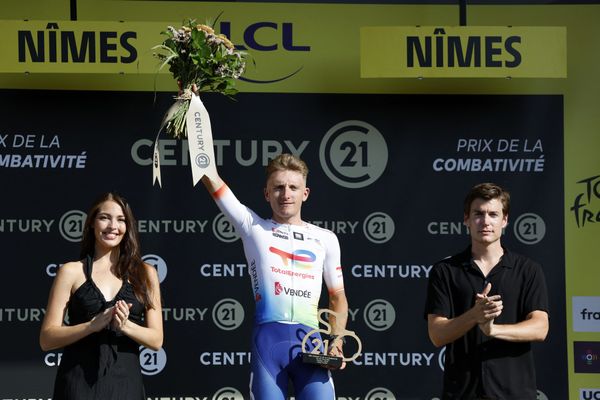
[{"x": 390, "y": 160}]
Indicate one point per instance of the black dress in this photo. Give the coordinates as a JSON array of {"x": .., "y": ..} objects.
[{"x": 103, "y": 365}]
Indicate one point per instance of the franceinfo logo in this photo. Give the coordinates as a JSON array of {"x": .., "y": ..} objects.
[{"x": 586, "y": 313}]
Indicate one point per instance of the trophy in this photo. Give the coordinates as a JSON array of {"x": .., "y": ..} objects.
[{"x": 319, "y": 354}]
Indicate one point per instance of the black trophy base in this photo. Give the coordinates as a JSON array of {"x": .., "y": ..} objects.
[{"x": 322, "y": 360}]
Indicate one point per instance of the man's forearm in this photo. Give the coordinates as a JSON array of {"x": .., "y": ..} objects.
[
  {"x": 533, "y": 329},
  {"x": 339, "y": 304},
  {"x": 443, "y": 330}
]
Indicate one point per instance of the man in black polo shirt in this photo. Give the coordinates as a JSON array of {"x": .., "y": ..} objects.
[{"x": 486, "y": 305}]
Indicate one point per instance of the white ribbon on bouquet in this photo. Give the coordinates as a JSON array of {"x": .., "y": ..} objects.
[{"x": 200, "y": 142}]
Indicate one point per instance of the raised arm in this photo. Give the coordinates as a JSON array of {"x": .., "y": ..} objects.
[
  {"x": 212, "y": 185},
  {"x": 53, "y": 333}
]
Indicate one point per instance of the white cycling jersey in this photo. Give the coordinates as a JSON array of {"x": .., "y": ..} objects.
[{"x": 287, "y": 263}]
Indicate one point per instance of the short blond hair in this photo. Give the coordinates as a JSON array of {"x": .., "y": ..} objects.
[{"x": 287, "y": 162}]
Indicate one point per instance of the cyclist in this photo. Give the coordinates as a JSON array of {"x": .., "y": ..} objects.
[{"x": 288, "y": 259}]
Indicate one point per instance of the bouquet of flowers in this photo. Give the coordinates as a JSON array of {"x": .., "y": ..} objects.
[{"x": 197, "y": 56}]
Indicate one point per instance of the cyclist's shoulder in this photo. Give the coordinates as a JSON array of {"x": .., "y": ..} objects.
[{"x": 320, "y": 232}]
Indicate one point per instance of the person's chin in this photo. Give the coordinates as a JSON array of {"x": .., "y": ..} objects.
[
  {"x": 487, "y": 239},
  {"x": 112, "y": 243},
  {"x": 287, "y": 211}
]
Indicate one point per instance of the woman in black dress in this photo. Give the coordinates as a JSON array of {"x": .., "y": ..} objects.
[{"x": 112, "y": 300}]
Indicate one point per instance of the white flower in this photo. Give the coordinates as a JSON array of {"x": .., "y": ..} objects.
[{"x": 219, "y": 62}]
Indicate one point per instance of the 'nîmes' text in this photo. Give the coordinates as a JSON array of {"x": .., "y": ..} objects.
[
  {"x": 54, "y": 45},
  {"x": 450, "y": 51}
]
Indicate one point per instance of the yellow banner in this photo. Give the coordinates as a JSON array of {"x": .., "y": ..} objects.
[
  {"x": 463, "y": 52},
  {"x": 280, "y": 49},
  {"x": 79, "y": 47},
  {"x": 97, "y": 47}
]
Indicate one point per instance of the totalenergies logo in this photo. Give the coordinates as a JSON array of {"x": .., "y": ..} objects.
[
  {"x": 299, "y": 258},
  {"x": 265, "y": 36}
]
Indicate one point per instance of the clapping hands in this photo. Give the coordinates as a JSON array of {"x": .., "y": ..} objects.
[
  {"x": 120, "y": 315},
  {"x": 488, "y": 308}
]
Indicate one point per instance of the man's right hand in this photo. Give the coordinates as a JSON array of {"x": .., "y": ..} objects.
[{"x": 486, "y": 307}]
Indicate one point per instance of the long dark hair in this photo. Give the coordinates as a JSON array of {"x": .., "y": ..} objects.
[{"x": 129, "y": 264}]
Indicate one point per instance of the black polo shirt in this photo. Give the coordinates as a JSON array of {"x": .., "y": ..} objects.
[{"x": 476, "y": 365}]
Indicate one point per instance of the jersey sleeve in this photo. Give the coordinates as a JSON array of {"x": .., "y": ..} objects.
[
  {"x": 332, "y": 268},
  {"x": 238, "y": 214}
]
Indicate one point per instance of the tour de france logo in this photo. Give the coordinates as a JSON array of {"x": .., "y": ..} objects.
[{"x": 353, "y": 154}]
